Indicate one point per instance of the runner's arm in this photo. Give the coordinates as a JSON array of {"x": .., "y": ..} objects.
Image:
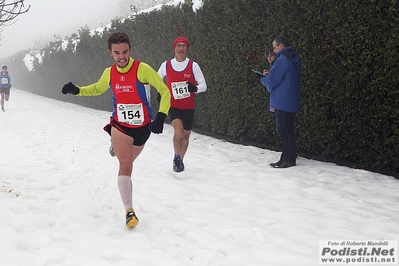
[
  {"x": 199, "y": 78},
  {"x": 101, "y": 86},
  {"x": 147, "y": 74}
]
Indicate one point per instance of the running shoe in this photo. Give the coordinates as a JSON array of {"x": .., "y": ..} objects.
[
  {"x": 111, "y": 151},
  {"x": 178, "y": 165},
  {"x": 131, "y": 218}
]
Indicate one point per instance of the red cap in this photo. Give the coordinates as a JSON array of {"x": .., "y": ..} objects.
[{"x": 180, "y": 39}]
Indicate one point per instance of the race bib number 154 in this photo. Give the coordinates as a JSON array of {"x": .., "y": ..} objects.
[{"x": 132, "y": 114}]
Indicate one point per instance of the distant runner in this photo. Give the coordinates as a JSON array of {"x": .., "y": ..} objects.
[
  {"x": 5, "y": 85},
  {"x": 184, "y": 78}
]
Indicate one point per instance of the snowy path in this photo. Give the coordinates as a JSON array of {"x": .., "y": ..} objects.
[{"x": 60, "y": 204}]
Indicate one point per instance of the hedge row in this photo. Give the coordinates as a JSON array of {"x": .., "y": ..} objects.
[{"x": 349, "y": 50}]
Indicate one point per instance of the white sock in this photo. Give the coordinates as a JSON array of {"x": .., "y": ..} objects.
[{"x": 126, "y": 190}]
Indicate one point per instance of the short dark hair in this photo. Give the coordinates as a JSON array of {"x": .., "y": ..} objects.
[
  {"x": 282, "y": 40},
  {"x": 118, "y": 37},
  {"x": 269, "y": 52}
]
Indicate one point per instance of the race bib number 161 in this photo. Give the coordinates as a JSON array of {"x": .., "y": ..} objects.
[{"x": 180, "y": 90}]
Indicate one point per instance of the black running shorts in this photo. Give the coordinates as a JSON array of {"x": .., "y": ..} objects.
[
  {"x": 185, "y": 115},
  {"x": 140, "y": 135},
  {"x": 5, "y": 91}
]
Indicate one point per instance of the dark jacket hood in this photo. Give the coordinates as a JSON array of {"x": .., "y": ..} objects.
[{"x": 291, "y": 55}]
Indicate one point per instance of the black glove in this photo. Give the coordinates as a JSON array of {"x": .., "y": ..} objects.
[
  {"x": 70, "y": 88},
  {"x": 192, "y": 87},
  {"x": 157, "y": 124}
]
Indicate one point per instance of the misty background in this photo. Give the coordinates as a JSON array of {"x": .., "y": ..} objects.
[{"x": 50, "y": 20}]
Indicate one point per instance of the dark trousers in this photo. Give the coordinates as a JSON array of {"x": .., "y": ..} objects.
[{"x": 285, "y": 128}]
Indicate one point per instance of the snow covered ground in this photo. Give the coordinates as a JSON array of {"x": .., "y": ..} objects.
[{"x": 60, "y": 204}]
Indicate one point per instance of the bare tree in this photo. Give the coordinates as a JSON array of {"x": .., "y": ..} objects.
[
  {"x": 9, "y": 10},
  {"x": 127, "y": 7},
  {"x": 40, "y": 41}
]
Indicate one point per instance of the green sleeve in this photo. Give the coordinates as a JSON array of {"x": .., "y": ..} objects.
[
  {"x": 147, "y": 74},
  {"x": 101, "y": 86}
]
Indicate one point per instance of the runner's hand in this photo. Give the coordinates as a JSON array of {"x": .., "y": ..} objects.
[
  {"x": 157, "y": 124},
  {"x": 70, "y": 88},
  {"x": 192, "y": 87}
]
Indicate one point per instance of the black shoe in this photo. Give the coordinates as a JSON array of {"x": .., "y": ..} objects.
[
  {"x": 284, "y": 165},
  {"x": 178, "y": 165},
  {"x": 276, "y": 164}
]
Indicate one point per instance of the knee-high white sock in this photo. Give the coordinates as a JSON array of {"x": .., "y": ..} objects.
[{"x": 126, "y": 190}]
